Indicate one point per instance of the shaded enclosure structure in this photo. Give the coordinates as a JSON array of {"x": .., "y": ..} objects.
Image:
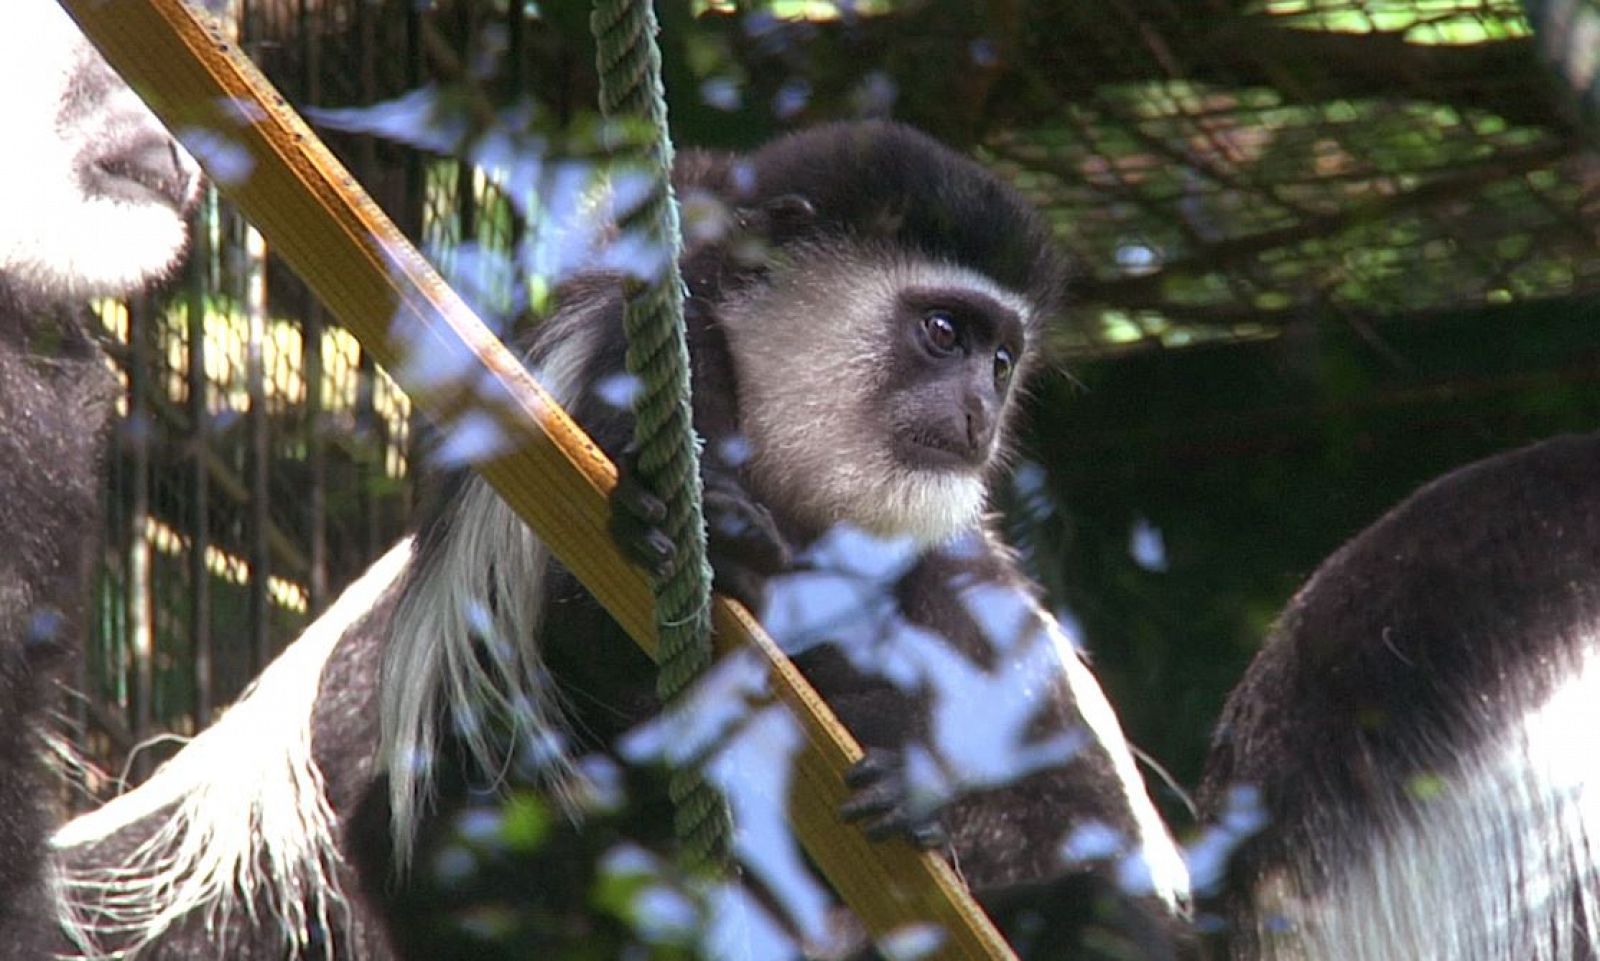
[{"x": 1292, "y": 218}]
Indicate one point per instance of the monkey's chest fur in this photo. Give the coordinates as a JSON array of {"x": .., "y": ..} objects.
[{"x": 56, "y": 402}]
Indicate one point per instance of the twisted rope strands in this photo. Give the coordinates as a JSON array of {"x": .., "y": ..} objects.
[{"x": 658, "y": 356}]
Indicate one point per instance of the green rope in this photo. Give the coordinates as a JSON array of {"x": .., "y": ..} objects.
[{"x": 658, "y": 355}]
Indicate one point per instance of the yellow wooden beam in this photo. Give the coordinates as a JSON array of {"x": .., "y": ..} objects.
[{"x": 319, "y": 220}]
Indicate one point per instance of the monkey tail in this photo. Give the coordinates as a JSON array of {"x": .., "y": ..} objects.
[
  {"x": 463, "y": 648},
  {"x": 236, "y": 827}
]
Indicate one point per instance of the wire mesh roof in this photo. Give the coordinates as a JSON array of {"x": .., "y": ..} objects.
[
  {"x": 1249, "y": 167},
  {"x": 1218, "y": 168}
]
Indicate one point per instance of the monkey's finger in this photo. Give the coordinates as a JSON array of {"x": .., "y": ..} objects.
[
  {"x": 751, "y": 549},
  {"x": 646, "y": 546},
  {"x": 928, "y": 835},
  {"x": 876, "y": 765},
  {"x": 660, "y": 554},
  {"x": 633, "y": 497},
  {"x": 895, "y": 824},
  {"x": 879, "y": 802},
  {"x": 742, "y": 528},
  {"x": 740, "y": 583}
]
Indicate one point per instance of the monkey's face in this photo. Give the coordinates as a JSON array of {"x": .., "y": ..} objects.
[
  {"x": 875, "y": 387},
  {"x": 93, "y": 190},
  {"x": 953, "y": 349}
]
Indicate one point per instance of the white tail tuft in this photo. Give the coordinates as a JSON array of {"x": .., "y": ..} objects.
[
  {"x": 464, "y": 643},
  {"x": 246, "y": 828}
]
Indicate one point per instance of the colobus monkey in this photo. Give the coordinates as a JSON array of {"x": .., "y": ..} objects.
[
  {"x": 92, "y": 199},
  {"x": 918, "y": 223},
  {"x": 862, "y": 305},
  {"x": 1416, "y": 739}
]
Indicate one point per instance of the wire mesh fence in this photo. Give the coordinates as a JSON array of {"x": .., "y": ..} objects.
[{"x": 262, "y": 459}]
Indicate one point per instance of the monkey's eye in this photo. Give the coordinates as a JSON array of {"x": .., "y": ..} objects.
[
  {"x": 1004, "y": 366},
  {"x": 943, "y": 334}
]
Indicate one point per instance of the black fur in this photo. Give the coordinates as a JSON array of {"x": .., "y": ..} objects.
[
  {"x": 894, "y": 185},
  {"x": 1410, "y": 648},
  {"x": 1004, "y": 839},
  {"x": 100, "y": 164},
  {"x": 882, "y": 187},
  {"x": 55, "y": 410}
]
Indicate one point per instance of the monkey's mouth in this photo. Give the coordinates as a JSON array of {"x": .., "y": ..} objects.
[
  {"x": 148, "y": 170},
  {"x": 932, "y": 450}
]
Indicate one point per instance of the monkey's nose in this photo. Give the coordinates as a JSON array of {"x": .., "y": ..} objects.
[
  {"x": 153, "y": 164},
  {"x": 980, "y": 431}
]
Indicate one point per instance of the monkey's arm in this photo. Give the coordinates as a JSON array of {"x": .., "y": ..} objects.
[{"x": 744, "y": 544}]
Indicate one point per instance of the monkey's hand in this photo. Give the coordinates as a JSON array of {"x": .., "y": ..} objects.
[
  {"x": 881, "y": 801},
  {"x": 743, "y": 542}
]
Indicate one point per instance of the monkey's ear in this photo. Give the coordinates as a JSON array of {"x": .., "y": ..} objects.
[{"x": 780, "y": 218}]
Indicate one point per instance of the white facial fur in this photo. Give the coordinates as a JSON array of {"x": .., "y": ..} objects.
[
  {"x": 809, "y": 349},
  {"x": 63, "y": 235}
]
